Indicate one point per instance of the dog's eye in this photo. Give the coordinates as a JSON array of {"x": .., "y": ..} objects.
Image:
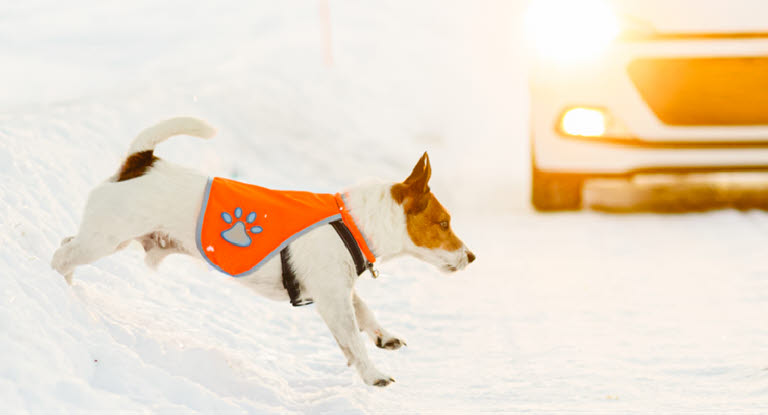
[{"x": 444, "y": 224}]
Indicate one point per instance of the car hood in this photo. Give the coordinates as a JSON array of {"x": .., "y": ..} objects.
[{"x": 696, "y": 16}]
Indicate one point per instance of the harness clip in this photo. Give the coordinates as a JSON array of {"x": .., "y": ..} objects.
[{"x": 374, "y": 272}]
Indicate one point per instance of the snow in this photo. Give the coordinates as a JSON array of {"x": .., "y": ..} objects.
[{"x": 579, "y": 312}]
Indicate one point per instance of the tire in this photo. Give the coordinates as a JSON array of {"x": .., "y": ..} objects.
[{"x": 555, "y": 191}]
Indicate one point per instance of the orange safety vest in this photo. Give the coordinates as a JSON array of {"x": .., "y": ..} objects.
[{"x": 241, "y": 226}]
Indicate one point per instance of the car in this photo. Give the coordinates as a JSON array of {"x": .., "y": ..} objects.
[{"x": 634, "y": 87}]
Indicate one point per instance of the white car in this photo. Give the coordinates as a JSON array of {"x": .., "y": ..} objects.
[{"x": 646, "y": 86}]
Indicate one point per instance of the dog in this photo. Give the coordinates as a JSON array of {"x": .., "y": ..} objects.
[{"x": 158, "y": 204}]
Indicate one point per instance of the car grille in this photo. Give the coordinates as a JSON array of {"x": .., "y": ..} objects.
[{"x": 704, "y": 91}]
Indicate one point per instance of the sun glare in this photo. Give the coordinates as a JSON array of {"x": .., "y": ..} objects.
[{"x": 570, "y": 30}]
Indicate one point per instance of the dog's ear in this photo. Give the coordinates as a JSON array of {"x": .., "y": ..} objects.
[
  {"x": 418, "y": 181},
  {"x": 415, "y": 188}
]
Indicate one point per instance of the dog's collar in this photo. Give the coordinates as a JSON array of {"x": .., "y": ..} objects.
[{"x": 354, "y": 239}]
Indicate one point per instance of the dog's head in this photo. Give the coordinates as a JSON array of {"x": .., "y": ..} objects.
[{"x": 430, "y": 236}]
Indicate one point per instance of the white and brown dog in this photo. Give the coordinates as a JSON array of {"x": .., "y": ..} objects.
[{"x": 158, "y": 203}]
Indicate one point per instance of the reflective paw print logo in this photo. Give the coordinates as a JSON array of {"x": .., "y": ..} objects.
[{"x": 237, "y": 234}]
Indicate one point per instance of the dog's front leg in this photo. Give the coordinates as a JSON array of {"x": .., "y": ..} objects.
[
  {"x": 367, "y": 322},
  {"x": 337, "y": 310}
]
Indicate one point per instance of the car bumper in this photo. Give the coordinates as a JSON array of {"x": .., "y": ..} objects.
[{"x": 617, "y": 157}]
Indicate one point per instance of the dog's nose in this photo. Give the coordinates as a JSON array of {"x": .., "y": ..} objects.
[{"x": 470, "y": 257}]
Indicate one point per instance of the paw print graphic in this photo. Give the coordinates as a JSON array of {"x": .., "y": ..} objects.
[{"x": 237, "y": 234}]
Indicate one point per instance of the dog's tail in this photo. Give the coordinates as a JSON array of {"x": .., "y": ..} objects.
[
  {"x": 140, "y": 154},
  {"x": 156, "y": 134}
]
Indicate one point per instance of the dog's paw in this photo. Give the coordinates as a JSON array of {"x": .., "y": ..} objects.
[
  {"x": 388, "y": 341},
  {"x": 383, "y": 382},
  {"x": 61, "y": 263},
  {"x": 376, "y": 378}
]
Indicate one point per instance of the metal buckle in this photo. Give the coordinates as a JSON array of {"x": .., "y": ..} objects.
[{"x": 374, "y": 272}]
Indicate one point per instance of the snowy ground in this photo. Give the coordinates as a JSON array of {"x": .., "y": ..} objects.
[{"x": 582, "y": 312}]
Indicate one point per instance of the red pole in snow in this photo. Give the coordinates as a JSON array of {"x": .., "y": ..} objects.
[{"x": 325, "y": 21}]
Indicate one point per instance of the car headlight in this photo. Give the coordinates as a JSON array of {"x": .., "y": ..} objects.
[
  {"x": 583, "y": 122},
  {"x": 571, "y": 30},
  {"x": 591, "y": 122}
]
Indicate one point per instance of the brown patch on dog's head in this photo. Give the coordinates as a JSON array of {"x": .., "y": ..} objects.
[{"x": 428, "y": 222}]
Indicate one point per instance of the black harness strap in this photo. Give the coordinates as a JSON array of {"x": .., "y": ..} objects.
[
  {"x": 349, "y": 241},
  {"x": 289, "y": 276},
  {"x": 289, "y": 281}
]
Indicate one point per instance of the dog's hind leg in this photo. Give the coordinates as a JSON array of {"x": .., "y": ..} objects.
[
  {"x": 112, "y": 217},
  {"x": 94, "y": 240},
  {"x": 367, "y": 323},
  {"x": 81, "y": 250}
]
